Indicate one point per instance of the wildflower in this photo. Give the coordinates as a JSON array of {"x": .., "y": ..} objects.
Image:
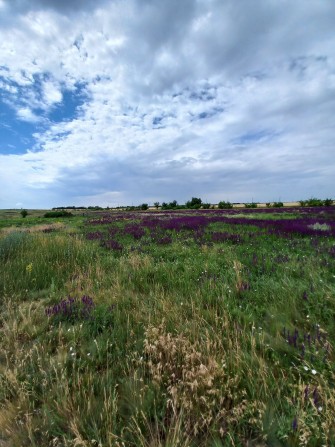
[
  {"x": 295, "y": 424},
  {"x": 305, "y": 368},
  {"x": 313, "y": 372},
  {"x": 29, "y": 268},
  {"x": 319, "y": 408}
]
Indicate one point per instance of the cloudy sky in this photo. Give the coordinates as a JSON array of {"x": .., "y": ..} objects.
[{"x": 131, "y": 101}]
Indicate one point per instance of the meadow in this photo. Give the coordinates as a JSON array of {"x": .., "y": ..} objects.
[{"x": 175, "y": 328}]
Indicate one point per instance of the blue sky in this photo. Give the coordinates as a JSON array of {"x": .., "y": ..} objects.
[{"x": 120, "y": 102}]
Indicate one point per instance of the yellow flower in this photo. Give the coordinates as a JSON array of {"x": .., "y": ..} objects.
[{"x": 29, "y": 268}]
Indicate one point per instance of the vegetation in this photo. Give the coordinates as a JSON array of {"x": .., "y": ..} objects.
[
  {"x": 316, "y": 202},
  {"x": 185, "y": 328},
  {"x": 24, "y": 213},
  {"x": 52, "y": 214},
  {"x": 225, "y": 205},
  {"x": 194, "y": 203},
  {"x": 251, "y": 205}
]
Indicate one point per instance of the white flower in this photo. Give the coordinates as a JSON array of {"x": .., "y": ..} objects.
[
  {"x": 71, "y": 349},
  {"x": 313, "y": 372},
  {"x": 320, "y": 409},
  {"x": 88, "y": 353},
  {"x": 305, "y": 368}
]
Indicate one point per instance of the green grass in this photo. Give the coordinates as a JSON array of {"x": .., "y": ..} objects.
[{"x": 184, "y": 346}]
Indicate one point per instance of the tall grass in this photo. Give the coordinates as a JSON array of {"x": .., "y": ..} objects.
[{"x": 185, "y": 344}]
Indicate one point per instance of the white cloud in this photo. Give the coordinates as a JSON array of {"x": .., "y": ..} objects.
[
  {"x": 180, "y": 97},
  {"x": 26, "y": 114},
  {"x": 51, "y": 93}
]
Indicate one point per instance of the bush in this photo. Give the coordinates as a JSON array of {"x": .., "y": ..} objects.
[
  {"x": 314, "y": 202},
  {"x": 173, "y": 204},
  {"x": 24, "y": 213},
  {"x": 57, "y": 214},
  {"x": 277, "y": 205},
  {"x": 225, "y": 205},
  {"x": 328, "y": 202},
  {"x": 251, "y": 205},
  {"x": 144, "y": 206},
  {"x": 206, "y": 206},
  {"x": 195, "y": 203}
]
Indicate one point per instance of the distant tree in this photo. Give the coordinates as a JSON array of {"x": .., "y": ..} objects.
[
  {"x": 24, "y": 213},
  {"x": 194, "y": 203},
  {"x": 144, "y": 206},
  {"x": 313, "y": 201},
  {"x": 156, "y": 205},
  {"x": 49, "y": 214},
  {"x": 251, "y": 205},
  {"x": 225, "y": 205},
  {"x": 206, "y": 206},
  {"x": 173, "y": 204},
  {"x": 277, "y": 204},
  {"x": 328, "y": 202}
]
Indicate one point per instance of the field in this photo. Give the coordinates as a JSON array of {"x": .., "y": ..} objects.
[{"x": 177, "y": 329}]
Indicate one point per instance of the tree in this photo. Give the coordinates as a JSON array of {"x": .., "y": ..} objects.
[
  {"x": 173, "y": 204},
  {"x": 225, "y": 205},
  {"x": 144, "y": 206},
  {"x": 156, "y": 204},
  {"x": 194, "y": 203},
  {"x": 24, "y": 213}
]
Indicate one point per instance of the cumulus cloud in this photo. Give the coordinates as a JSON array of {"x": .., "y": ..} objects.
[{"x": 166, "y": 100}]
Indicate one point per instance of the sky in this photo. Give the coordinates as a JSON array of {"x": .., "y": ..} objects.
[{"x": 125, "y": 102}]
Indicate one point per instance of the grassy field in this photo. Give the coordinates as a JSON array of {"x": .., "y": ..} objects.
[{"x": 176, "y": 329}]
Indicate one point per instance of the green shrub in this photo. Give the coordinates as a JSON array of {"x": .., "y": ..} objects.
[
  {"x": 24, "y": 213},
  {"x": 195, "y": 203},
  {"x": 314, "y": 202},
  {"x": 251, "y": 205},
  {"x": 225, "y": 205},
  {"x": 57, "y": 214},
  {"x": 277, "y": 205}
]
